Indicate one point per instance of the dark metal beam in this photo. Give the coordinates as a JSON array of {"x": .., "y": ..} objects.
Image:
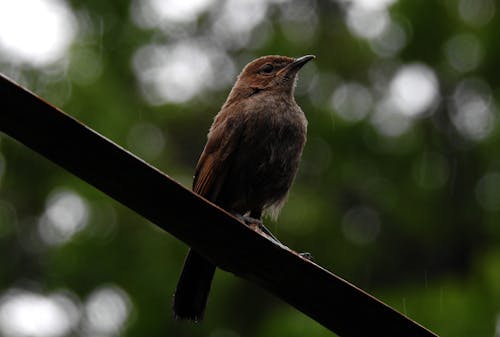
[{"x": 325, "y": 297}]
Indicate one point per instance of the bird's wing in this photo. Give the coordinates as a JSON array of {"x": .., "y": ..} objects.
[{"x": 217, "y": 157}]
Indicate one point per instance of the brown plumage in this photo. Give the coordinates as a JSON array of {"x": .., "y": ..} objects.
[{"x": 249, "y": 162}]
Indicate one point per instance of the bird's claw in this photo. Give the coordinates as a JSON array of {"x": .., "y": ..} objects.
[
  {"x": 252, "y": 223},
  {"x": 259, "y": 225},
  {"x": 248, "y": 220},
  {"x": 307, "y": 256}
]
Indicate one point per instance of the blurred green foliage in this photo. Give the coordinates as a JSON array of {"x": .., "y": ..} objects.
[{"x": 400, "y": 199}]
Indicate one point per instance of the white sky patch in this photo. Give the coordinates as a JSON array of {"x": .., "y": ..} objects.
[
  {"x": 37, "y": 32},
  {"x": 24, "y": 313}
]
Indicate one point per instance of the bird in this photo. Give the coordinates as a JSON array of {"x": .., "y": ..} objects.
[{"x": 249, "y": 161}]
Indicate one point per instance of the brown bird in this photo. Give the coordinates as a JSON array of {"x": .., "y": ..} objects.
[{"x": 249, "y": 162}]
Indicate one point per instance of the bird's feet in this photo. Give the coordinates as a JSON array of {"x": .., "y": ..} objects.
[
  {"x": 248, "y": 220},
  {"x": 307, "y": 256},
  {"x": 259, "y": 225}
]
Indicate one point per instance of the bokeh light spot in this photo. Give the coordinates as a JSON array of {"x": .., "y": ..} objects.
[
  {"x": 488, "y": 191},
  {"x": 38, "y": 32},
  {"x": 178, "y": 72},
  {"x": 154, "y": 12},
  {"x": 242, "y": 16},
  {"x": 472, "y": 110},
  {"x": 299, "y": 21},
  {"x": 476, "y": 12},
  {"x": 86, "y": 66},
  {"x": 352, "y": 101},
  {"x": 66, "y": 214},
  {"x": 106, "y": 311},
  {"x": 464, "y": 52},
  {"x": 24, "y": 313},
  {"x": 146, "y": 140},
  {"x": 388, "y": 120},
  {"x": 370, "y": 4},
  {"x": 390, "y": 41},
  {"x": 367, "y": 23},
  {"x": 414, "y": 89}
]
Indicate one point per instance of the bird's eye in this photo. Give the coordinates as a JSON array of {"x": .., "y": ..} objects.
[{"x": 267, "y": 68}]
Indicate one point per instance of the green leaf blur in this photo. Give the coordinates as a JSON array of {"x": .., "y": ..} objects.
[{"x": 398, "y": 190}]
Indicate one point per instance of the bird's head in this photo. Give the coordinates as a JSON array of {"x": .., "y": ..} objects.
[{"x": 270, "y": 73}]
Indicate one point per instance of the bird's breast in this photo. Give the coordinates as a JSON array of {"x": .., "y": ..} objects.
[
  {"x": 266, "y": 159},
  {"x": 273, "y": 143}
]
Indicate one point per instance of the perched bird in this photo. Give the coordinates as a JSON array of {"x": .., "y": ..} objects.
[{"x": 249, "y": 162}]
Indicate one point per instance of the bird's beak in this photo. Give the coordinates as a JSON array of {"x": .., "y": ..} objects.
[{"x": 298, "y": 63}]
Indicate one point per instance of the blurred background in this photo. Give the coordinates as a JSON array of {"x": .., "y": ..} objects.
[{"x": 398, "y": 190}]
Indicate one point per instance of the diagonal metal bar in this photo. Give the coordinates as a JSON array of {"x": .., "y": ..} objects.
[{"x": 325, "y": 297}]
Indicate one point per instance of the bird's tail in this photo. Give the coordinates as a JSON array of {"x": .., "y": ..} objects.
[{"x": 193, "y": 287}]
